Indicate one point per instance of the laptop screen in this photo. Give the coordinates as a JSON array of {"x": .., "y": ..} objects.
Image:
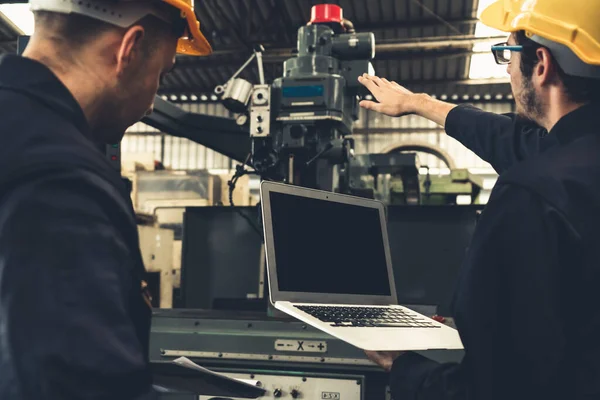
[{"x": 328, "y": 247}]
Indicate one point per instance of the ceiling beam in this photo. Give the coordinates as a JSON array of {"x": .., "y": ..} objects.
[
  {"x": 221, "y": 62},
  {"x": 381, "y": 46},
  {"x": 432, "y": 86},
  {"x": 362, "y": 27},
  {"x": 432, "y": 43},
  {"x": 424, "y": 23}
]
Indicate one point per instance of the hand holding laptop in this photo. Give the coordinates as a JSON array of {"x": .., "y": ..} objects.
[{"x": 385, "y": 359}]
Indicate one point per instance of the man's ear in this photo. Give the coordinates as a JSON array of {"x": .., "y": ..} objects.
[
  {"x": 545, "y": 70},
  {"x": 130, "y": 47}
]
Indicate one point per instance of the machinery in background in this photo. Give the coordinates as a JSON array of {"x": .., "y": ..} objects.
[
  {"x": 166, "y": 193},
  {"x": 440, "y": 189},
  {"x": 394, "y": 177},
  {"x": 288, "y": 358},
  {"x": 298, "y": 129},
  {"x": 299, "y": 125},
  {"x": 223, "y": 265},
  {"x": 156, "y": 246},
  {"x": 160, "y": 199}
]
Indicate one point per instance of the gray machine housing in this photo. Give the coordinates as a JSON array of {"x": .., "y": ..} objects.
[{"x": 313, "y": 107}]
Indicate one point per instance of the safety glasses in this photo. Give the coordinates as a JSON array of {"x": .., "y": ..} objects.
[{"x": 502, "y": 52}]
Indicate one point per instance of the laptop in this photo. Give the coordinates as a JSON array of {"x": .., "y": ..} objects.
[{"x": 329, "y": 265}]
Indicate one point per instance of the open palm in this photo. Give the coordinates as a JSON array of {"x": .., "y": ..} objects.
[{"x": 393, "y": 99}]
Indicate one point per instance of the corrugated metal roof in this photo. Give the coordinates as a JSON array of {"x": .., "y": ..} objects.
[{"x": 235, "y": 26}]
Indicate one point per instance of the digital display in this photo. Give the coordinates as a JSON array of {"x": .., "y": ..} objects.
[
  {"x": 303, "y": 91},
  {"x": 328, "y": 247}
]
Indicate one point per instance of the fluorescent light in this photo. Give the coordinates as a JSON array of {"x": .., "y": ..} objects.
[
  {"x": 483, "y": 65},
  {"x": 20, "y": 16}
]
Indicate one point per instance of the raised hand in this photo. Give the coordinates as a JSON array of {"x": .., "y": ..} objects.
[{"x": 393, "y": 99}]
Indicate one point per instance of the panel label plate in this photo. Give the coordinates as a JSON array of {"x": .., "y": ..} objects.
[{"x": 305, "y": 346}]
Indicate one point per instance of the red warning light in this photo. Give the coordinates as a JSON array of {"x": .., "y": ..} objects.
[{"x": 324, "y": 13}]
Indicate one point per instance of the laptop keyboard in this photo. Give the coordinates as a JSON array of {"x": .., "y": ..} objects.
[{"x": 378, "y": 317}]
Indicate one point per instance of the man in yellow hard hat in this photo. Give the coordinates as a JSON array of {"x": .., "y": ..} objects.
[
  {"x": 526, "y": 304},
  {"x": 74, "y": 315}
]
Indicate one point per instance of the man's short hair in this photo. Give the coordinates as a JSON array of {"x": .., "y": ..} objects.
[
  {"x": 578, "y": 89},
  {"x": 76, "y": 30}
]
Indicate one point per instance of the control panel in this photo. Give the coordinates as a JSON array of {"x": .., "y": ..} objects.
[{"x": 304, "y": 387}]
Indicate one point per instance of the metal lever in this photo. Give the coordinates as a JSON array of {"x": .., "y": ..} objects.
[{"x": 261, "y": 74}]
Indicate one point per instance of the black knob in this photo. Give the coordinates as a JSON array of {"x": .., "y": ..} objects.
[
  {"x": 277, "y": 393},
  {"x": 295, "y": 394},
  {"x": 259, "y": 118}
]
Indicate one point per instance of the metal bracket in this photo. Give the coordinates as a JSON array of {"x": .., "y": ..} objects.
[{"x": 260, "y": 111}]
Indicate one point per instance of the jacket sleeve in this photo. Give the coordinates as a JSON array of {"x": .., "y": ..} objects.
[
  {"x": 499, "y": 139},
  {"x": 507, "y": 308},
  {"x": 66, "y": 282}
]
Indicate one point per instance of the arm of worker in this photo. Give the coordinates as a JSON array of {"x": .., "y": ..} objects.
[
  {"x": 507, "y": 308},
  {"x": 66, "y": 282},
  {"x": 500, "y": 139}
]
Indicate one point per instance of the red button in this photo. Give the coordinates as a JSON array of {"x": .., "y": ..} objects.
[{"x": 323, "y": 13}]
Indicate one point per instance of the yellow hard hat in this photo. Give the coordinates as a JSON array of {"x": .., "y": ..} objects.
[
  {"x": 574, "y": 24},
  {"x": 194, "y": 43}
]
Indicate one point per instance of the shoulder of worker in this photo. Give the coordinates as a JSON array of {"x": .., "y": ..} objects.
[
  {"x": 474, "y": 117},
  {"x": 43, "y": 128},
  {"x": 565, "y": 177}
]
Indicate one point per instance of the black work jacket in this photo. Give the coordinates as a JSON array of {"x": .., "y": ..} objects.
[
  {"x": 527, "y": 300},
  {"x": 73, "y": 322}
]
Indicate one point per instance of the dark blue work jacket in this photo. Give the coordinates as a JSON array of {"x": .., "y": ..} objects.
[
  {"x": 527, "y": 303},
  {"x": 73, "y": 322}
]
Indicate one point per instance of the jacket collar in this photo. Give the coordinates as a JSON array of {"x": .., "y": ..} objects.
[
  {"x": 34, "y": 79},
  {"x": 580, "y": 122}
]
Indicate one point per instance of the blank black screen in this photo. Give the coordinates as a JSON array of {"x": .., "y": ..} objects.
[
  {"x": 428, "y": 246},
  {"x": 221, "y": 255},
  {"x": 327, "y": 247}
]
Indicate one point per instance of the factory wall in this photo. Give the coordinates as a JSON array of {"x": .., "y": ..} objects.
[
  {"x": 146, "y": 143},
  {"x": 412, "y": 129}
]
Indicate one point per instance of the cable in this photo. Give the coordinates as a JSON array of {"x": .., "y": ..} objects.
[
  {"x": 327, "y": 147},
  {"x": 239, "y": 172},
  {"x": 442, "y": 20}
]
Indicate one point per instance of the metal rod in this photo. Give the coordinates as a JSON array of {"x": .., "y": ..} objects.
[
  {"x": 291, "y": 170},
  {"x": 239, "y": 71},
  {"x": 261, "y": 72}
]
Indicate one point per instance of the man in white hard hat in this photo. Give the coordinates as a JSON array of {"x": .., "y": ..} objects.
[
  {"x": 526, "y": 304},
  {"x": 74, "y": 318}
]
